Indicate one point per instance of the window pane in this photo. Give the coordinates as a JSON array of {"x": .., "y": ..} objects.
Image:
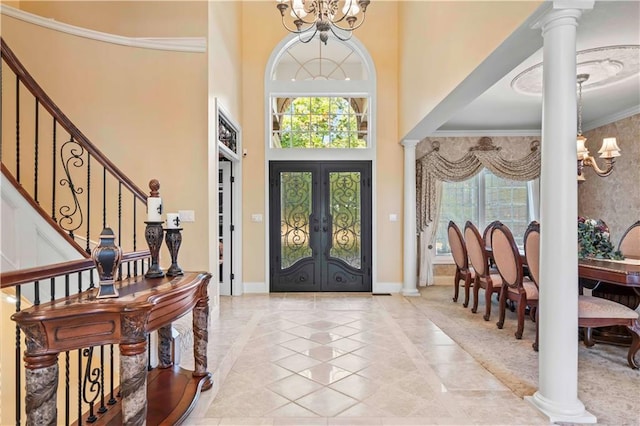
[
  {"x": 318, "y": 122},
  {"x": 504, "y": 200},
  {"x": 459, "y": 203}
]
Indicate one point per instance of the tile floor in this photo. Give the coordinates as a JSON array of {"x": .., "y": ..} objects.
[{"x": 344, "y": 359}]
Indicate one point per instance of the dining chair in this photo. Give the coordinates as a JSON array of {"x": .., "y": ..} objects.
[
  {"x": 629, "y": 244},
  {"x": 484, "y": 277},
  {"x": 486, "y": 237},
  {"x": 464, "y": 272},
  {"x": 515, "y": 286},
  {"x": 532, "y": 256}
]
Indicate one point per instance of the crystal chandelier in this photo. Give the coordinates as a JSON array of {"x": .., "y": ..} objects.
[
  {"x": 608, "y": 151},
  {"x": 312, "y": 16}
]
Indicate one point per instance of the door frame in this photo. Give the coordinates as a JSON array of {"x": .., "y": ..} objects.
[{"x": 320, "y": 193}]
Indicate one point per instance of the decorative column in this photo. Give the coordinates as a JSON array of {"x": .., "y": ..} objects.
[
  {"x": 201, "y": 336},
  {"x": 557, "y": 395},
  {"x": 133, "y": 367},
  {"x": 41, "y": 375},
  {"x": 410, "y": 255}
]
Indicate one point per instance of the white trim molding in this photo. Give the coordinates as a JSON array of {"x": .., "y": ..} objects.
[
  {"x": 603, "y": 121},
  {"x": 178, "y": 44},
  {"x": 489, "y": 133}
]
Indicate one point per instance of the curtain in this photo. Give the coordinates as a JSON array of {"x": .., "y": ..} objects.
[
  {"x": 425, "y": 270},
  {"x": 533, "y": 191},
  {"x": 432, "y": 169}
]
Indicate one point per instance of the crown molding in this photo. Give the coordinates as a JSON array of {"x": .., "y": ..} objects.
[
  {"x": 178, "y": 44},
  {"x": 593, "y": 124},
  {"x": 489, "y": 133}
]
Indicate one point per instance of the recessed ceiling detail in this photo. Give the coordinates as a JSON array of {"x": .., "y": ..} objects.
[{"x": 604, "y": 65}]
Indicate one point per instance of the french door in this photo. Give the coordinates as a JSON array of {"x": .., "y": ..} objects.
[{"x": 320, "y": 226}]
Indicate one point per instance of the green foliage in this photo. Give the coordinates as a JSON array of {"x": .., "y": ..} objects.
[
  {"x": 594, "y": 240},
  {"x": 320, "y": 122}
]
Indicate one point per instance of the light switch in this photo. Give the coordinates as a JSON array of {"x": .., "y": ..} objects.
[
  {"x": 256, "y": 217},
  {"x": 187, "y": 215},
  {"x": 393, "y": 217}
]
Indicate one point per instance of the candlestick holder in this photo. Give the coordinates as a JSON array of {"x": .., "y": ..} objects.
[
  {"x": 153, "y": 234},
  {"x": 173, "y": 238}
]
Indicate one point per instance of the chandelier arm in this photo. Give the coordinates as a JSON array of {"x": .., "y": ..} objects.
[
  {"x": 591, "y": 162},
  {"x": 338, "y": 36},
  {"x": 355, "y": 27},
  {"x": 300, "y": 34},
  {"x": 296, "y": 30}
]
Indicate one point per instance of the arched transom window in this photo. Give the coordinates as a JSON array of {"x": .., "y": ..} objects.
[{"x": 320, "y": 96}]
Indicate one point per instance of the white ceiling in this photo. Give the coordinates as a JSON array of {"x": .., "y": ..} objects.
[{"x": 500, "y": 109}]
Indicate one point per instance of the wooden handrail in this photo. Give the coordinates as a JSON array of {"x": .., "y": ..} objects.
[
  {"x": 28, "y": 81},
  {"x": 22, "y": 276}
]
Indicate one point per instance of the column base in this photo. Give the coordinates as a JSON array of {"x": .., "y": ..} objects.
[
  {"x": 558, "y": 413},
  {"x": 411, "y": 292}
]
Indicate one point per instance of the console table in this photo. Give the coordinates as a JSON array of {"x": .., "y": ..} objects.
[{"x": 81, "y": 321}]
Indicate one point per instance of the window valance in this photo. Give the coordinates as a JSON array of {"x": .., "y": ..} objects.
[{"x": 433, "y": 167}]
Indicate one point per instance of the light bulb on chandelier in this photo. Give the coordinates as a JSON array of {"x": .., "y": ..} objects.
[
  {"x": 608, "y": 151},
  {"x": 321, "y": 16}
]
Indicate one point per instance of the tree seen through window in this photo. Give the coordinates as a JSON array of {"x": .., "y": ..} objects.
[{"x": 319, "y": 122}]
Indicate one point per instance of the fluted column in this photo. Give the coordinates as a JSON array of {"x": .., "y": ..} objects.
[
  {"x": 410, "y": 264},
  {"x": 557, "y": 394}
]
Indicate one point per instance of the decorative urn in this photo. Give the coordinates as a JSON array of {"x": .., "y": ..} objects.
[{"x": 107, "y": 257}]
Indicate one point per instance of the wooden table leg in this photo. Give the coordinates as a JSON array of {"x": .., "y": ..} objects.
[{"x": 42, "y": 384}]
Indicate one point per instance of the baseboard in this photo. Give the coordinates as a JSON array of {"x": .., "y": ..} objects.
[
  {"x": 387, "y": 287},
  {"x": 256, "y": 287}
]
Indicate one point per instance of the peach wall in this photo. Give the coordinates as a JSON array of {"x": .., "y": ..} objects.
[
  {"x": 379, "y": 36},
  {"x": 225, "y": 44},
  {"x": 145, "y": 109},
  {"x": 442, "y": 42},
  {"x": 616, "y": 198},
  {"x": 127, "y": 18}
]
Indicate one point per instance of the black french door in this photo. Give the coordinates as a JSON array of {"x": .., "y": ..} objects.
[{"x": 320, "y": 226}]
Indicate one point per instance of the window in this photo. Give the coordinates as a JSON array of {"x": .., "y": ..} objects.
[
  {"x": 319, "y": 122},
  {"x": 483, "y": 199}
]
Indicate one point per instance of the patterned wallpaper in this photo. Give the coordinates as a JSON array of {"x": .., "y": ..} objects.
[{"x": 616, "y": 198}]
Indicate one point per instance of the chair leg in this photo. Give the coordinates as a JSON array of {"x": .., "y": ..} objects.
[
  {"x": 635, "y": 344},
  {"x": 476, "y": 291},
  {"x": 588, "y": 338},
  {"x": 456, "y": 285},
  {"x": 467, "y": 288},
  {"x": 503, "y": 306},
  {"x": 488, "y": 291},
  {"x": 535, "y": 344},
  {"x": 522, "y": 305}
]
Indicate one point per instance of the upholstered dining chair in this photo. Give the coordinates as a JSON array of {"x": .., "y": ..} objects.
[
  {"x": 464, "y": 272},
  {"x": 630, "y": 242},
  {"x": 515, "y": 286},
  {"x": 485, "y": 278},
  {"x": 532, "y": 255},
  {"x": 486, "y": 237}
]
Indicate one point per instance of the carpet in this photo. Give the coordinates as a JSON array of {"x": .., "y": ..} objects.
[{"x": 607, "y": 386}]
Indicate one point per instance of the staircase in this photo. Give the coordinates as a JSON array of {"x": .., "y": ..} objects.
[{"x": 52, "y": 173}]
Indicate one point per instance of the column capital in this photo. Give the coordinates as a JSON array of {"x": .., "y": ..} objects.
[
  {"x": 561, "y": 9},
  {"x": 410, "y": 143}
]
